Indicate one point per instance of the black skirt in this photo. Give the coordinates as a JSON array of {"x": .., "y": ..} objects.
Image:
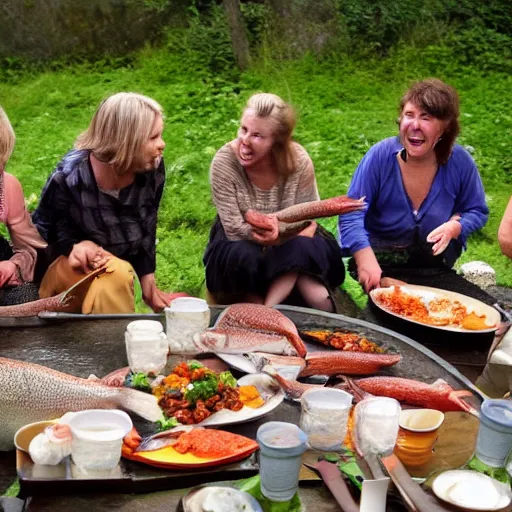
[{"x": 241, "y": 267}]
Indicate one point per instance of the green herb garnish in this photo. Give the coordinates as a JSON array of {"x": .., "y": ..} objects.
[
  {"x": 138, "y": 381},
  {"x": 166, "y": 423},
  {"x": 194, "y": 365},
  {"x": 227, "y": 379},
  {"x": 202, "y": 389}
]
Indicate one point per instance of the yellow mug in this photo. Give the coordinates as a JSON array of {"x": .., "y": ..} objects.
[{"x": 417, "y": 435}]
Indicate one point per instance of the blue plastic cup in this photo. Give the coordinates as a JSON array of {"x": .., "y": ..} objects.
[
  {"x": 281, "y": 448},
  {"x": 494, "y": 440}
]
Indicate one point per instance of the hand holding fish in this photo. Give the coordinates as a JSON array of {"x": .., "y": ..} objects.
[
  {"x": 86, "y": 256},
  {"x": 268, "y": 233},
  {"x": 442, "y": 235}
]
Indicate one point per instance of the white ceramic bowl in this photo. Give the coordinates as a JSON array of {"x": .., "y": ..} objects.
[{"x": 471, "y": 490}]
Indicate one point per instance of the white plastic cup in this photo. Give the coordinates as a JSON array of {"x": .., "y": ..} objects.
[
  {"x": 185, "y": 317},
  {"x": 324, "y": 417},
  {"x": 146, "y": 346},
  {"x": 494, "y": 440},
  {"x": 98, "y": 438},
  {"x": 281, "y": 448}
]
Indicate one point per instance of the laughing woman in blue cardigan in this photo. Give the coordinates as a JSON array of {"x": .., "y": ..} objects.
[{"x": 424, "y": 195}]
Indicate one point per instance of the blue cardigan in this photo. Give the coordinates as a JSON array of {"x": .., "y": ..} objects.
[{"x": 390, "y": 220}]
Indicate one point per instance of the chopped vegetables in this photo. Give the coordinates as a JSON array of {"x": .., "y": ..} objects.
[
  {"x": 250, "y": 396},
  {"x": 192, "y": 392},
  {"x": 138, "y": 381},
  {"x": 344, "y": 340},
  {"x": 167, "y": 423}
]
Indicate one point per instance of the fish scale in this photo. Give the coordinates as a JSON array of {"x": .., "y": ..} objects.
[
  {"x": 260, "y": 318},
  {"x": 307, "y": 211},
  {"x": 30, "y": 393},
  {"x": 439, "y": 395}
]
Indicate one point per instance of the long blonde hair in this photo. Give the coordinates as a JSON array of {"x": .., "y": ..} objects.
[
  {"x": 271, "y": 106},
  {"x": 119, "y": 128},
  {"x": 7, "y": 139}
]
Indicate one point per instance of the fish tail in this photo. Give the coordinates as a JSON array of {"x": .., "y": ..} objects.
[{"x": 143, "y": 404}]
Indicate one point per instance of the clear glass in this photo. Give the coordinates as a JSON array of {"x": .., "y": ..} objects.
[
  {"x": 324, "y": 417},
  {"x": 186, "y": 317}
]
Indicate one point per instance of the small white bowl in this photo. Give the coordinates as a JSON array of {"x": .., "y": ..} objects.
[{"x": 471, "y": 490}]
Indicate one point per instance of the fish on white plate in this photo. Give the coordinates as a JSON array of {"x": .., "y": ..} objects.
[
  {"x": 253, "y": 362},
  {"x": 241, "y": 341},
  {"x": 259, "y": 318}
]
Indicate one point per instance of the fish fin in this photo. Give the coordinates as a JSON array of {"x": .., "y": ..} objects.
[
  {"x": 350, "y": 386},
  {"x": 462, "y": 392},
  {"x": 143, "y": 404},
  {"x": 80, "y": 288},
  {"x": 456, "y": 397}
]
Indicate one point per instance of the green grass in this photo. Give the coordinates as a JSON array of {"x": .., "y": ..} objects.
[{"x": 344, "y": 107}]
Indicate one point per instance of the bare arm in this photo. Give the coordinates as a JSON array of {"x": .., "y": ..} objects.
[
  {"x": 368, "y": 269},
  {"x": 505, "y": 231}
]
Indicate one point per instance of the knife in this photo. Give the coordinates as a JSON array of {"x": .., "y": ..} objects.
[
  {"x": 334, "y": 481},
  {"x": 414, "y": 496}
]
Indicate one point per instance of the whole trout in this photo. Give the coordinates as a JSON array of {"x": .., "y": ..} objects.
[{"x": 30, "y": 392}]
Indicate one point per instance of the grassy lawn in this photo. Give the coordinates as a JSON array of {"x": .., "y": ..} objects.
[{"x": 344, "y": 107}]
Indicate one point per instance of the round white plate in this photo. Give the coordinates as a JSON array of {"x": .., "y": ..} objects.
[
  {"x": 194, "y": 499},
  {"x": 471, "y": 490},
  {"x": 265, "y": 384},
  {"x": 492, "y": 315}
]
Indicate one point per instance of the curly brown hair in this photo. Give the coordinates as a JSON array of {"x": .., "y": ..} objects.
[{"x": 441, "y": 101}]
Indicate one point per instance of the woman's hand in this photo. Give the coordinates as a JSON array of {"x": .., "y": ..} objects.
[
  {"x": 9, "y": 274},
  {"x": 155, "y": 298},
  {"x": 86, "y": 256},
  {"x": 267, "y": 236},
  {"x": 442, "y": 235},
  {"x": 368, "y": 269}
]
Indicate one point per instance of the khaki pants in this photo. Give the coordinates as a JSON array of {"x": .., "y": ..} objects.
[
  {"x": 111, "y": 292},
  {"x": 496, "y": 379}
]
